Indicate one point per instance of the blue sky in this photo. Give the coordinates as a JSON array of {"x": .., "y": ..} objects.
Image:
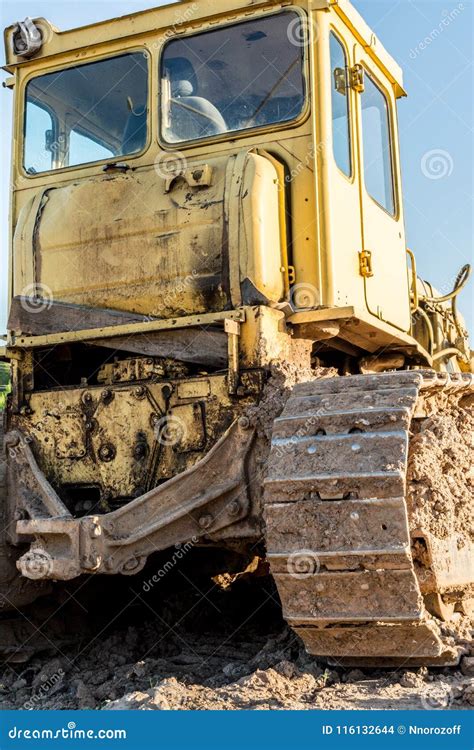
[{"x": 433, "y": 42}]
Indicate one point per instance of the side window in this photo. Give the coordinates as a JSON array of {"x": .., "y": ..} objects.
[
  {"x": 83, "y": 149},
  {"x": 39, "y": 139},
  {"x": 341, "y": 125},
  {"x": 99, "y": 110},
  {"x": 378, "y": 166}
]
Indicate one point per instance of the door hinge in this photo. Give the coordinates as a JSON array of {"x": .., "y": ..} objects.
[
  {"x": 365, "y": 264},
  {"x": 357, "y": 75}
]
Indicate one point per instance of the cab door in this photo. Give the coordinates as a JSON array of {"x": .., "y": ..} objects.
[
  {"x": 339, "y": 167},
  {"x": 383, "y": 259}
]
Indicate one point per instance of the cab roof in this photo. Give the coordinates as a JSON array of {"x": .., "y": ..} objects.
[{"x": 180, "y": 16}]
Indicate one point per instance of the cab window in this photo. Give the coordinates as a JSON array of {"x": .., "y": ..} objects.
[
  {"x": 86, "y": 113},
  {"x": 378, "y": 163},
  {"x": 39, "y": 122},
  {"x": 341, "y": 133},
  {"x": 232, "y": 79}
]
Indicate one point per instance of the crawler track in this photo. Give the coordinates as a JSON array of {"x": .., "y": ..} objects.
[{"x": 338, "y": 532}]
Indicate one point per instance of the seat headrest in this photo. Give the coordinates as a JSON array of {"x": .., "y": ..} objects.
[{"x": 181, "y": 88}]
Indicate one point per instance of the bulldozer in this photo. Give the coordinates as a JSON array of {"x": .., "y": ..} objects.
[{"x": 217, "y": 336}]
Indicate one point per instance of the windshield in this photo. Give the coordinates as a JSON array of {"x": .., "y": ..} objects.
[
  {"x": 243, "y": 76},
  {"x": 86, "y": 113}
]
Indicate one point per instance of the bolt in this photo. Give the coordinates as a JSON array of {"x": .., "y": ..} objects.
[
  {"x": 131, "y": 564},
  {"x": 107, "y": 452},
  {"x": 139, "y": 392},
  {"x": 234, "y": 508},
  {"x": 87, "y": 397},
  {"x": 106, "y": 396},
  {"x": 206, "y": 521},
  {"x": 244, "y": 423}
]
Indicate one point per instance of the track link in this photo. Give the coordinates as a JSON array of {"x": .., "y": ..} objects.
[{"x": 338, "y": 536}]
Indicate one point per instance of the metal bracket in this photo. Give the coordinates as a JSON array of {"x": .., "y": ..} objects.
[
  {"x": 199, "y": 503},
  {"x": 27, "y": 482},
  {"x": 200, "y": 176}
]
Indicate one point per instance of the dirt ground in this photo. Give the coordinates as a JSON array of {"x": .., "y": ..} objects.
[{"x": 186, "y": 646}]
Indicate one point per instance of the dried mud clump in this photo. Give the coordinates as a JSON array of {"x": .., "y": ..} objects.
[{"x": 441, "y": 473}]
